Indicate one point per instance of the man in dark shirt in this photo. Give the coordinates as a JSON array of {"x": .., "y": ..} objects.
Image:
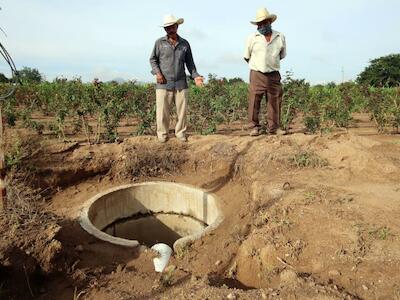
[{"x": 170, "y": 55}]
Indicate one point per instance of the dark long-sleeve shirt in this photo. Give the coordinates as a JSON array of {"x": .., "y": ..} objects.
[{"x": 171, "y": 61}]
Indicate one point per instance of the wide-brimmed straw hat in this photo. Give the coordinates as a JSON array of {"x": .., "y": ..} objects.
[
  {"x": 171, "y": 20},
  {"x": 263, "y": 14}
]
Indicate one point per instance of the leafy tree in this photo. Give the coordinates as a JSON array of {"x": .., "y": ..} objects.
[
  {"x": 235, "y": 80},
  {"x": 30, "y": 75},
  {"x": 3, "y": 78},
  {"x": 382, "y": 71}
]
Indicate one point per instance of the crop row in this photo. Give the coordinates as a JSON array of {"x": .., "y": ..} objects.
[{"x": 97, "y": 109}]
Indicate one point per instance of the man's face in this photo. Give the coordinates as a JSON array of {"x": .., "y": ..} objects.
[
  {"x": 262, "y": 23},
  {"x": 171, "y": 30}
]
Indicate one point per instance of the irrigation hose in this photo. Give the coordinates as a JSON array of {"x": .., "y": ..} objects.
[{"x": 14, "y": 72}]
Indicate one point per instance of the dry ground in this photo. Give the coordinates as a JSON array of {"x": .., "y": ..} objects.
[{"x": 306, "y": 217}]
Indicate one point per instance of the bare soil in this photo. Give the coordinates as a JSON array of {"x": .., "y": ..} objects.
[{"x": 306, "y": 217}]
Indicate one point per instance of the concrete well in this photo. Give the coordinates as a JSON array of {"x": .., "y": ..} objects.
[{"x": 151, "y": 212}]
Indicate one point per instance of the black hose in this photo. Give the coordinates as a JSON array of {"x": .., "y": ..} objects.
[{"x": 15, "y": 78}]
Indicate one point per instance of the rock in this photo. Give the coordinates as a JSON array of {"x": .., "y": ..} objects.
[
  {"x": 268, "y": 256},
  {"x": 288, "y": 277},
  {"x": 262, "y": 192},
  {"x": 365, "y": 287},
  {"x": 334, "y": 273},
  {"x": 286, "y": 186},
  {"x": 276, "y": 193},
  {"x": 264, "y": 295},
  {"x": 231, "y": 296},
  {"x": 119, "y": 268},
  {"x": 195, "y": 278},
  {"x": 142, "y": 249},
  {"x": 231, "y": 272},
  {"x": 79, "y": 248},
  {"x": 218, "y": 262}
]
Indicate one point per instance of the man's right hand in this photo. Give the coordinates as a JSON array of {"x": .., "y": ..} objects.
[{"x": 160, "y": 78}]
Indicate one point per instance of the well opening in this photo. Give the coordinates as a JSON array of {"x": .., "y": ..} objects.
[
  {"x": 150, "y": 213},
  {"x": 153, "y": 228}
]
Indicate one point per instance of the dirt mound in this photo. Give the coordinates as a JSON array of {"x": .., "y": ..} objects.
[
  {"x": 306, "y": 216},
  {"x": 29, "y": 246}
]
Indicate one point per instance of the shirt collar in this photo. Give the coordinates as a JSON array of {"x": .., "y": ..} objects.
[
  {"x": 165, "y": 38},
  {"x": 274, "y": 34}
]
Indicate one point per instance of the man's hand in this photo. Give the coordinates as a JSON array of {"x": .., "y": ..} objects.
[
  {"x": 160, "y": 78},
  {"x": 199, "y": 81}
]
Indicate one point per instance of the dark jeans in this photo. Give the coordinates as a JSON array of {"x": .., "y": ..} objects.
[{"x": 268, "y": 84}]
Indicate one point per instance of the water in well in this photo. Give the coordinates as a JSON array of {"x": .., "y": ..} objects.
[{"x": 150, "y": 229}]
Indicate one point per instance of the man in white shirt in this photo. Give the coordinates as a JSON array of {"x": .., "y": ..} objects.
[{"x": 263, "y": 53}]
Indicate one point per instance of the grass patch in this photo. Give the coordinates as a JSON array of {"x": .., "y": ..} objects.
[
  {"x": 151, "y": 160},
  {"x": 307, "y": 159},
  {"x": 167, "y": 276},
  {"x": 24, "y": 211},
  {"x": 19, "y": 149},
  {"x": 381, "y": 233},
  {"x": 182, "y": 251}
]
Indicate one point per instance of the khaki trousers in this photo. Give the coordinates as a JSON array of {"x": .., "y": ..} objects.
[
  {"x": 268, "y": 84},
  {"x": 164, "y": 99}
]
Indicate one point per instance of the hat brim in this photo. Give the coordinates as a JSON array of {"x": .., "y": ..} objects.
[
  {"x": 271, "y": 17},
  {"x": 179, "y": 22}
]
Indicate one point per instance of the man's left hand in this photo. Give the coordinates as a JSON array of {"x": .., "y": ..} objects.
[{"x": 199, "y": 81}]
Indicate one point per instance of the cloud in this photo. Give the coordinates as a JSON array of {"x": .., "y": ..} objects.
[
  {"x": 321, "y": 58},
  {"x": 231, "y": 58},
  {"x": 195, "y": 33}
]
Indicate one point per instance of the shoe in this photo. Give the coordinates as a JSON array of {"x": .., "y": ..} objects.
[
  {"x": 183, "y": 139},
  {"x": 278, "y": 132},
  {"x": 162, "y": 139},
  {"x": 254, "y": 132}
]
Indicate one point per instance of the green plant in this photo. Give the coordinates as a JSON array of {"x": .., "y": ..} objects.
[
  {"x": 304, "y": 159},
  {"x": 182, "y": 251},
  {"x": 166, "y": 278},
  {"x": 384, "y": 105},
  {"x": 96, "y": 109},
  {"x": 294, "y": 96},
  {"x": 14, "y": 155},
  {"x": 310, "y": 196},
  {"x": 216, "y": 103},
  {"x": 381, "y": 233}
]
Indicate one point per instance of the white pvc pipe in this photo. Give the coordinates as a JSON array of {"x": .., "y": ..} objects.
[{"x": 161, "y": 261}]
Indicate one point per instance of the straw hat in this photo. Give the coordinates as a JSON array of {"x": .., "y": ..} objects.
[
  {"x": 263, "y": 14},
  {"x": 171, "y": 20}
]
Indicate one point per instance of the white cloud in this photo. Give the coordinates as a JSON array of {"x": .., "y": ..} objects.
[
  {"x": 194, "y": 33},
  {"x": 231, "y": 58}
]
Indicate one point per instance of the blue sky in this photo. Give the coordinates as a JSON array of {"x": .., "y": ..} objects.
[{"x": 114, "y": 39}]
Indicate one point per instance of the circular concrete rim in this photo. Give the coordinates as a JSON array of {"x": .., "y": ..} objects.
[{"x": 87, "y": 225}]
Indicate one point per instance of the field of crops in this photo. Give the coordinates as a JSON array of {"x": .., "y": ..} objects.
[{"x": 96, "y": 109}]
